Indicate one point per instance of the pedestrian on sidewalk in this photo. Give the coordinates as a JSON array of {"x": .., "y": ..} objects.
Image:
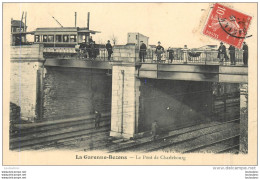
[
  {"x": 142, "y": 52},
  {"x": 97, "y": 119},
  {"x": 222, "y": 53},
  {"x": 159, "y": 52},
  {"x": 171, "y": 53},
  {"x": 109, "y": 49},
  {"x": 232, "y": 54},
  {"x": 245, "y": 53}
]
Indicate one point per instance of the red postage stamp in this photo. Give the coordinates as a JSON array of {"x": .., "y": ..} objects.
[{"x": 227, "y": 25}]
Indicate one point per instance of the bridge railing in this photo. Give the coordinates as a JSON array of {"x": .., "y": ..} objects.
[
  {"x": 188, "y": 56},
  {"x": 130, "y": 54}
]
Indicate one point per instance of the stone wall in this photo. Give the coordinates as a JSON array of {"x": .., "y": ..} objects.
[
  {"x": 14, "y": 112},
  {"x": 26, "y": 68},
  {"x": 125, "y": 53},
  {"x": 243, "y": 118},
  {"x": 71, "y": 92}
]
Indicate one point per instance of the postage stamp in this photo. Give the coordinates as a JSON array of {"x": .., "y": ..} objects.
[{"x": 227, "y": 25}]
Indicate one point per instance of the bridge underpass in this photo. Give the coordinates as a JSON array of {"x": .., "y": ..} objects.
[{"x": 166, "y": 91}]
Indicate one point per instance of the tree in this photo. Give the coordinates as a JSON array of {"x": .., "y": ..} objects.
[
  {"x": 114, "y": 39},
  {"x": 100, "y": 41}
]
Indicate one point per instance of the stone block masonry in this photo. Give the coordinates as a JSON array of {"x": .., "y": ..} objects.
[
  {"x": 125, "y": 91},
  {"x": 26, "y": 69},
  {"x": 243, "y": 118}
]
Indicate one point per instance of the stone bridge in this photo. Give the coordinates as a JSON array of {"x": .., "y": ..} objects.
[{"x": 134, "y": 93}]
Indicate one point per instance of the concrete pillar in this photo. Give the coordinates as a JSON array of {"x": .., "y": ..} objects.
[
  {"x": 185, "y": 54},
  {"x": 125, "y": 100},
  {"x": 26, "y": 79},
  {"x": 243, "y": 118}
]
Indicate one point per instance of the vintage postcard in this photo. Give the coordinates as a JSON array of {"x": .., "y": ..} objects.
[{"x": 130, "y": 84}]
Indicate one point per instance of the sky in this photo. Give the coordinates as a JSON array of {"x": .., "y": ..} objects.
[{"x": 174, "y": 24}]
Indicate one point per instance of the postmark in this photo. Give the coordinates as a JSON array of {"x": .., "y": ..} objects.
[{"x": 227, "y": 25}]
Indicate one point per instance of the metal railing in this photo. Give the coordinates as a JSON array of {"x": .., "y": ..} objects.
[
  {"x": 180, "y": 56},
  {"x": 187, "y": 56}
]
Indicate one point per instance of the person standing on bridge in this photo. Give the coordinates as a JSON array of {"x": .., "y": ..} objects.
[
  {"x": 97, "y": 119},
  {"x": 159, "y": 51},
  {"x": 222, "y": 53},
  {"x": 109, "y": 49},
  {"x": 232, "y": 54},
  {"x": 171, "y": 52},
  {"x": 245, "y": 53},
  {"x": 142, "y": 52}
]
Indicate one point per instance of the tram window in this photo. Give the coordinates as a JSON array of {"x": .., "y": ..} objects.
[
  {"x": 19, "y": 29},
  {"x": 50, "y": 38},
  {"x": 44, "y": 38},
  {"x": 65, "y": 38},
  {"x": 72, "y": 38},
  {"x": 58, "y": 38},
  {"x": 37, "y": 38}
]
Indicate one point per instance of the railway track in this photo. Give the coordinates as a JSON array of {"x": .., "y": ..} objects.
[
  {"x": 179, "y": 137},
  {"x": 81, "y": 136},
  {"x": 50, "y": 135}
]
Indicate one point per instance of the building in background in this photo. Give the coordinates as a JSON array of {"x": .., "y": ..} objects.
[
  {"x": 136, "y": 38},
  {"x": 17, "y": 30}
]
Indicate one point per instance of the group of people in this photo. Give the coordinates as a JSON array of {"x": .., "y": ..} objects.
[
  {"x": 158, "y": 51},
  {"x": 91, "y": 50},
  {"x": 222, "y": 53}
]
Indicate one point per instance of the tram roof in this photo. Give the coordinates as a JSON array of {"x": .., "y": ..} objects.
[{"x": 66, "y": 29}]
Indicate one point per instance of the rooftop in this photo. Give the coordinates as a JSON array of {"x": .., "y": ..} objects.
[{"x": 17, "y": 23}]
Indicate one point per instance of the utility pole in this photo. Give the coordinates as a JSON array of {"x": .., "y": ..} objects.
[
  {"x": 75, "y": 19},
  {"x": 88, "y": 20},
  {"x": 25, "y": 18},
  {"x": 21, "y": 24}
]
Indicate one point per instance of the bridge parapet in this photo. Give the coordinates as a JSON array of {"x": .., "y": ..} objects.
[
  {"x": 125, "y": 53},
  {"x": 28, "y": 52},
  {"x": 195, "y": 72}
]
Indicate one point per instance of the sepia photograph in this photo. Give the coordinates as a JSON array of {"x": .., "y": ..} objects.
[{"x": 155, "y": 83}]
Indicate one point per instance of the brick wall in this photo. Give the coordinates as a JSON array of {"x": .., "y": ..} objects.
[
  {"x": 174, "y": 104},
  {"x": 71, "y": 92}
]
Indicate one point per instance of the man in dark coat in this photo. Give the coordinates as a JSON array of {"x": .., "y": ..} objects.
[
  {"x": 90, "y": 39},
  {"x": 159, "y": 51},
  {"x": 97, "y": 119},
  {"x": 232, "y": 55},
  {"x": 109, "y": 49},
  {"x": 92, "y": 51},
  {"x": 142, "y": 51},
  {"x": 222, "y": 53},
  {"x": 171, "y": 52},
  {"x": 154, "y": 129},
  {"x": 245, "y": 53}
]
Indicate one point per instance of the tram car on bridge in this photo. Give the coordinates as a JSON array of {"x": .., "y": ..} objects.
[{"x": 65, "y": 41}]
